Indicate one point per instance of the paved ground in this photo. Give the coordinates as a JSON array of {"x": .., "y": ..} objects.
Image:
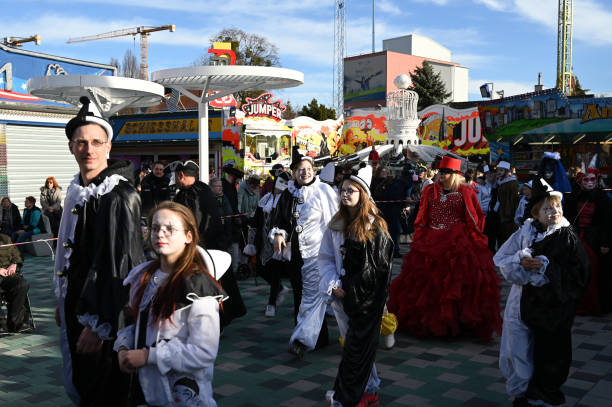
[{"x": 254, "y": 368}]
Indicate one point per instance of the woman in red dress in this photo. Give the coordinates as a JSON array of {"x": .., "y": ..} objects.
[{"x": 448, "y": 285}]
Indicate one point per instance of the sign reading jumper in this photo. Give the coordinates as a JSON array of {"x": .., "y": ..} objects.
[{"x": 263, "y": 106}]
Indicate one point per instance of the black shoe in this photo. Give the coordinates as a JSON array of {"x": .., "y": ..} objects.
[{"x": 297, "y": 348}]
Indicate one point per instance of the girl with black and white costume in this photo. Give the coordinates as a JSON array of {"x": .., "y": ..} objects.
[
  {"x": 355, "y": 262},
  {"x": 301, "y": 217},
  {"x": 172, "y": 341},
  {"x": 269, "y": 265}
]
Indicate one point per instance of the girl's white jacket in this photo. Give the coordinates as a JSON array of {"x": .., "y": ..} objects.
[{"x": 186, "y": 347}]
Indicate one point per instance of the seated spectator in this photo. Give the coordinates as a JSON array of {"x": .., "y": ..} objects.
[
  {"x": 31, "y": 223},
  {"x": 10, "y": 219},
  {"x": 13, "y": 287}
]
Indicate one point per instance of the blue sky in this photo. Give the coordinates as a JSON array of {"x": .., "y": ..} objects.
[{"x": 502, "y": 41}]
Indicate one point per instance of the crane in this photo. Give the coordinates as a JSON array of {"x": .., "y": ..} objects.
[
  {"x": 19, "y": 41},
  {"x": 144, "y": 34},
  {"x": 564, "y": 47}
]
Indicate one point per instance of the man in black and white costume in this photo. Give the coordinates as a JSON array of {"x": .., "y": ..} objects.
[
  {"x": 99, "y": 242},
  {"x": 299, "y": 222}
]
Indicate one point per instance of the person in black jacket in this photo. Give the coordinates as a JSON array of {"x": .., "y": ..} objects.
[
  {"x": 99, "y": 242},
  {"x": 589, "y": 210},
  {"x": 355, "y": 262},
  {"x": 231, "y": 177},
  {"x": 10, "y": 219},
  {"x": 154, "y": 188},
  {"x": 198, "y": 197}
]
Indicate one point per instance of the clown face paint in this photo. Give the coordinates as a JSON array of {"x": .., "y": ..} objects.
[
  {"x": 550, "y": 213},
  {"x": 589, "y": 182}
]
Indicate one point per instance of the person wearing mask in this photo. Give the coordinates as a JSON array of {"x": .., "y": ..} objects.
[
  {"x": 448, "y": 285},
  {"x": 171, "y": 338},
  {"x": 300, "y": 219},
  {"x": 31, "y": 222},
  {"x": 154, "y": 188},
  {"x": 10, "y": 219},
  {"x": 269, "y": 266},
  {"x": 268, "y": 186},
  {"x": 51, "y": 203},
  {"x": 589, "y": 210}
]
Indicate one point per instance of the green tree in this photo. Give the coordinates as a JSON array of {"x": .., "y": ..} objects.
[
  {"x": 578, "y": 91},
  {"x": 289, "y": 112},
  {"x": 318, "y": 111},
  {"x": 250, "y": 49},
  {"x": 428, "y": 85}
]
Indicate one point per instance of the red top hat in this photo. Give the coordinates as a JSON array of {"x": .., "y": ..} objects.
[{"x": 451, "y": 163}]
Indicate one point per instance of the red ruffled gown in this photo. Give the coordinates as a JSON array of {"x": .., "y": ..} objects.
[{"x": 448, "y": 285}]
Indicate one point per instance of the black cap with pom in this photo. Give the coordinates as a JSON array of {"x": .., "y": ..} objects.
[{"x": 89, "y": 114}]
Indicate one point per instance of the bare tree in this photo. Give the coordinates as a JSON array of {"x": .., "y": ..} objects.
[
  {"x": 250, "y": 49},
  {"x": 131, "y": 67},
  {"x": 115, "y": 62}
]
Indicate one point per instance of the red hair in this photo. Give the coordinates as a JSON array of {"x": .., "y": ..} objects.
[{"x": 52, "y": 179}]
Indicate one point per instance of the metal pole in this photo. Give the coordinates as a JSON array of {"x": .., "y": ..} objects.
[
  {"x": 203, "y": 140},
  {"x": 373, "y": 36}
]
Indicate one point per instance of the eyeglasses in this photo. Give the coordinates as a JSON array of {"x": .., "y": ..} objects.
[
  {"x": 167, "y": 231},
  {"x": 348, "y": 191},
  {"x": 93, "y": 143}
]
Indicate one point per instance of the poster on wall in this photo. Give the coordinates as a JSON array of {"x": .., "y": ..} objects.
[
  {"x": 548, "y": 112},
  {"x": 315, "y": 138},
  {"x": 499, "y": 151},
  {"x": 455, "y": 130},
  {"x": 365, "y": 79},
  {"x": 361, "y": 130}
]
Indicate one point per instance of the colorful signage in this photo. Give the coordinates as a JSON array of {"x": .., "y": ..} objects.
[
  {"x": 168, "y": 126},
  {"x": 263, "y": 106},
  {"x": 361, "y": 131},
  {"x": 547, "y": 112},
  {"x": 458, "y": 131}
]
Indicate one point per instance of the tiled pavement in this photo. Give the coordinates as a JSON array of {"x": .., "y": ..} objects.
[{"x": 254, "y": 368}]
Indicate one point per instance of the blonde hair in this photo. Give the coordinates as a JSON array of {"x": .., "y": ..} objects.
[
  {"x": 364, "y": 226},
  {"x": 456, "y": 180}
]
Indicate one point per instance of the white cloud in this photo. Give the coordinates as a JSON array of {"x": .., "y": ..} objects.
[
  {"x": 592, "y": 20},
  {"x": 437, "y": 2},
  {"x": 387, "y": 6},
  {"x": 498, "y": 5},
  {"x": 474, "y": 60}
]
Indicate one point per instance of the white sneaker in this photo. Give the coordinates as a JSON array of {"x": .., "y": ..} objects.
[
  {"x": 281, "y": 295},
  {"x": 270, "y": 311},
  {"x": 388, "y": 341}
]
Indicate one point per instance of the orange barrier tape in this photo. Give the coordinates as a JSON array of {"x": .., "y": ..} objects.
[{"x": 33, "y": 241}]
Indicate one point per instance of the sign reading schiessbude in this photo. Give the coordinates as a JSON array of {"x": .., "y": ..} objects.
[
  {"x": 264, "y": 106},
  {"x": 168, "y": 126}
]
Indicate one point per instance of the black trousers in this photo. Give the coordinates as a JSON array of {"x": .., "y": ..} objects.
[
  {"x": 271, "y": 272},
  {"x": 358, "y": 356},
  {"x": 14, "y": 288},
  {"x": 96, "y": 376},
  {"x": 552, "y": 357}
]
